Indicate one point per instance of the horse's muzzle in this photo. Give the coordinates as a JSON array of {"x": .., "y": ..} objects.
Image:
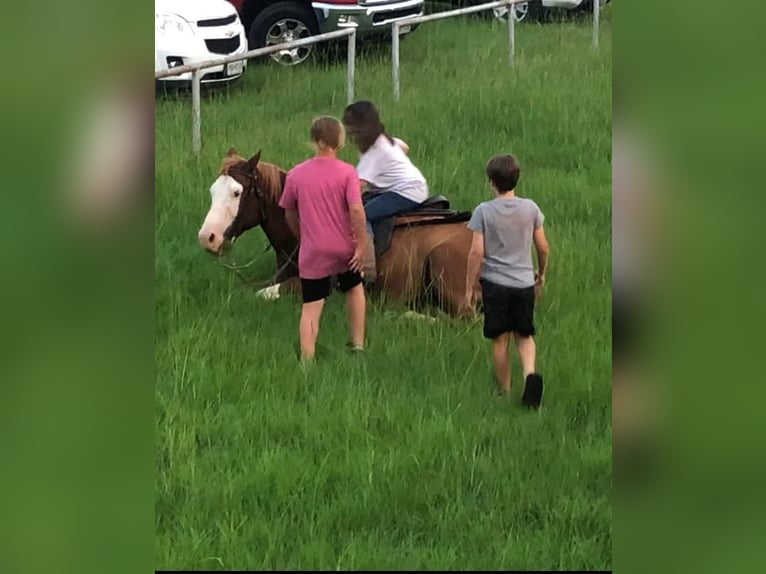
[{"x": 211, "y": 242}]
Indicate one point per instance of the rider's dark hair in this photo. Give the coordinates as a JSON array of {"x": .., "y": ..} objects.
[{"x": 363, "y": 125}]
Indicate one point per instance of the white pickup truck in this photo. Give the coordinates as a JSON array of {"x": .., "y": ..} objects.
[{"x": 534, "y": 9}]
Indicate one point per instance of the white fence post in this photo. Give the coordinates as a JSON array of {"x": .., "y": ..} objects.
[
  {"x": 596, "y": 18},
  {"x": 511, "y": 34},
  {"x": 351, "y": 67},
  {"x": 395, "y": 59},
  {"x": 196, "y": 120}
]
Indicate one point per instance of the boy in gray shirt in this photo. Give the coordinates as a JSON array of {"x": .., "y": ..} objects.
[{"x": 504, "y": 230}]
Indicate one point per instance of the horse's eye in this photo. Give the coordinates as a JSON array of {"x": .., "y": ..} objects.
[{"x": 236, "y": 193}]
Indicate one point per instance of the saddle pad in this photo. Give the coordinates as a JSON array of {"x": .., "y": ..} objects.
[{"x": 384, "y": 229}]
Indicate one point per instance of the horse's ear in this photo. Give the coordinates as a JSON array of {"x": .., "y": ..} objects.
[
  {"x": 231, "y": 152},
  {"x": 253, "y": 161}
]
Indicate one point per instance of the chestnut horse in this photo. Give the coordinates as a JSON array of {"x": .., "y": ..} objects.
[{"x": 422, "y": 261}]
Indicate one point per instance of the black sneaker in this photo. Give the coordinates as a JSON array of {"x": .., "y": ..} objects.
[{"x": 533, "y": 391}]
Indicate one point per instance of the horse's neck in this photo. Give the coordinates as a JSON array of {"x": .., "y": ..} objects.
[
  {"x": 277, "y": 232},
  {"x": 275, "y": 228}
]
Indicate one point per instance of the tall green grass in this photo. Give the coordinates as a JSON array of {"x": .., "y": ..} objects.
[{"x": 401, "y": 458}]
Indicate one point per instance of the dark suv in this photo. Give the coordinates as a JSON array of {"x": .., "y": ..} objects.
[{"x": 270, "y": 22}]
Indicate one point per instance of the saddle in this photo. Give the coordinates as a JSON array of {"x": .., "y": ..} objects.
[{"x": 433, "y": 211}]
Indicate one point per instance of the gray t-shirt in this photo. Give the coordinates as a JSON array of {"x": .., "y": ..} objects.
[{"x": 508, "y": 226}]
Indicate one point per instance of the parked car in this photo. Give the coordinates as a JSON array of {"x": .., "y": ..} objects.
[
  {"x": 534, "y": 9},
  {"x": 269, "y": 23},
  {"x": 190, "y": 31}
]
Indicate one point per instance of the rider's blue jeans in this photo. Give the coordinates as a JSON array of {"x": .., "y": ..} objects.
[{"x": 385, "y": 205}]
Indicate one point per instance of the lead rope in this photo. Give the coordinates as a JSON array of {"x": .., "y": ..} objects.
[{"x": 238, "y": 268}]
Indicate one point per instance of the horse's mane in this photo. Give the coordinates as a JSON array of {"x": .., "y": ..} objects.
[
  {"x": 270, "y": 176},
  {"x": 230, "y": 161}
]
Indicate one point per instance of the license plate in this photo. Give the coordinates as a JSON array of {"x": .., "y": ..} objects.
[
  {"x": 234, "y": 68},
  {"x": 404, "y": 29}
]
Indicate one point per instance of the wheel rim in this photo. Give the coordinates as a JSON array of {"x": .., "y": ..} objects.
[
  {"x": 520, "y": 11},
  {"x": 288, "y": 30}
]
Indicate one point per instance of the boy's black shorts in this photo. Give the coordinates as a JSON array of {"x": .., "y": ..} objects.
[
  {"x": 317, "y": 289},
  {"x": 507, "y": 309}
]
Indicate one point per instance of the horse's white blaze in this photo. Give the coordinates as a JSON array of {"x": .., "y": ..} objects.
[
  {"x": 270, "y": 293},
  {"x": 224, "y": 203}
]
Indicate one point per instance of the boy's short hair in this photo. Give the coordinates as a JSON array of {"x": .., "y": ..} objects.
[
  {"x": 327, "y": 132},
  {"x": 503, "y": 170}
]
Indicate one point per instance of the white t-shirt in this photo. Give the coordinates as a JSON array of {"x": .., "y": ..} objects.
[{"x": 388, "y": 168}]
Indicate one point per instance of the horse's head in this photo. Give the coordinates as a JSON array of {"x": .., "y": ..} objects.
[{"x": 237, "y": 202}]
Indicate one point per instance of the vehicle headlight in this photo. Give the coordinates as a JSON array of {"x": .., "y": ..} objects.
[{"x": 172, "y": 24}]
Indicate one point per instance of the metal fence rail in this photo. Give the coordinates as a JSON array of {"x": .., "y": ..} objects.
[
  {"x": 195, "y": 69},
  {"x": 396, "y": 27},
  {"x": 351, "y": 34}
]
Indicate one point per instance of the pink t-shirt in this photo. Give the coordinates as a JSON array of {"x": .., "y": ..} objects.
[{"x": 321, "y": 190}]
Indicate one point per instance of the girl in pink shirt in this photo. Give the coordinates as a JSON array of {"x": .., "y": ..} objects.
[{"x": 323, "y": 208}]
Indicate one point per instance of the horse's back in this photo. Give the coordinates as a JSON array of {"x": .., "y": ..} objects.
[{"x": 422, "y": 251}]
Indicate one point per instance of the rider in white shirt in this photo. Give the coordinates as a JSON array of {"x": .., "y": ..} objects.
[{"x": 384, "y": 167}]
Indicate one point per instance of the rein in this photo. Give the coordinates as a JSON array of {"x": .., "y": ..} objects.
[{"x": 238, "y": 268}]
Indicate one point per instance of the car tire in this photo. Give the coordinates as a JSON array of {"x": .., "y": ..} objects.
[
  {"x": 522, "y": 12},
  {"x": 529, "y": 11},
  {"x": 283, "y": 22}
]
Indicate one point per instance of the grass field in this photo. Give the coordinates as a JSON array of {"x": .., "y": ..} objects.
[{"x": 402, "y": 458}]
